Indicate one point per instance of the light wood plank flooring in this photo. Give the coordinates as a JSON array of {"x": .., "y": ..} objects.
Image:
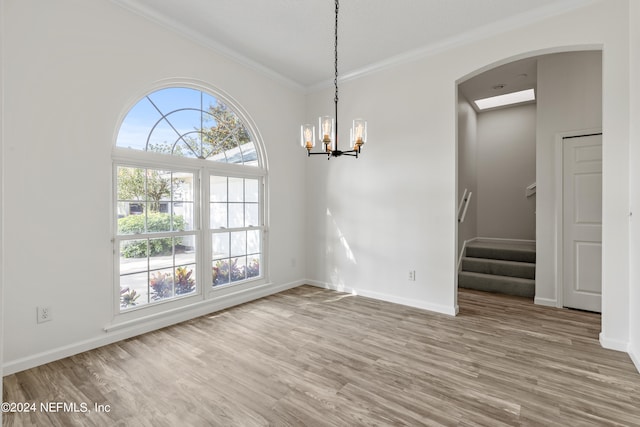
[{"x": 314, "y": 357}]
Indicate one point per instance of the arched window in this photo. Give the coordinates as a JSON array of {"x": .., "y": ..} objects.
[{"x": 189, "y": 199}]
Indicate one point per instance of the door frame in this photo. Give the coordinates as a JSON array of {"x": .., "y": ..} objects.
[{"x": 558, "y": 204}]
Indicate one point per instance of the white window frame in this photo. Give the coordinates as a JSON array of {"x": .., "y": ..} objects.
[{"x": 202, "y": 170}]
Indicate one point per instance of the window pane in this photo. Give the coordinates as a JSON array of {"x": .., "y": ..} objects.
[
  {"x": 252, "y": 215},
  {"x": 183, "y": 214},
  {"x": 161, "y": 138},
  {"x": 135, "y": 127},
  {"x": 185, "y": 279},
  {"x": 185, "y": 120},
  {"x": 218, "y": 188},
  {"x": 220, "y": 270},
  {"x": 238, "y": 269},
  {"x": 236, "y": 215},
  {"x": 208, "y": 102},
  {"x": 167, "y": 100},
  {"x": 182, "y": 184},
  {"x": 161, "y": 284},
  {"x": 182, "y": 194},
  {"x": 236, "y": 189},
  {"x": 145, "y": 200},
  {"x": 160, "y": 253},
  {"x": 130, "y": 184},
  {"x": 220, "y": 245},
  {"x": 251, "y": 190},
  {"x": 253, "y": 241},
  {"x": 158, "y": 188},
  {"x": 253, "y": 266},
  {"x": 133, "y": 290},
  {"x": 249, "y": 154},
  {"x": 185, "y": 249},
  {"x": 218, "y": 215},
  {"x": 160, "y": 221},
  {"x": 131, "y": 250},
  {"x": 187, "y": 146},
  {"x": 122, "y": 210},
  {"x": 132, "y": 222},
  {"x": 238, "y": 243}
]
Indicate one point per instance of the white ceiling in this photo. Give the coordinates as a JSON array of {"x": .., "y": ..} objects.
[
  {"x": 293, "y": 39},
  {"x": 507, "y": 78}
]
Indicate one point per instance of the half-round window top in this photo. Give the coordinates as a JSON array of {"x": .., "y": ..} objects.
[{"x": 188, "y": 123}]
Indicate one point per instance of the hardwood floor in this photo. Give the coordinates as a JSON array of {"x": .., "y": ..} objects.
[{"x": 314, "y": 357}]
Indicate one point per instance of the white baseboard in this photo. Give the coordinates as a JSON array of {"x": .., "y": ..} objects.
[
  {"x": 438, "y": 308},
  {"x": 548, "y": 302},
  {"x": 330, "y": 286},
  {"x": 613, "y": 344},
  {"x": 635, "y": 356},
  {"x": 122, "y": 332}
]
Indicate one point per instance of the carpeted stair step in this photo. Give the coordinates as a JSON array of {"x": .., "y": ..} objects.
[
  {"x": 506, "y": 254},
  {"x": 525, "y": 270},
  {"x": 498, "y": 284}
]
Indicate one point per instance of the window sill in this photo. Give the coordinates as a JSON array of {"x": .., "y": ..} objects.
[{"x": 219, "y": 299}]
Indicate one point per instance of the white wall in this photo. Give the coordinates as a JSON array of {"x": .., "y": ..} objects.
[
  {"x": 2, "y": 267},
  {"x": 395, "y": 208},
  {"x": 634, "y": 184},
  {"x": 569, "y": 99},
  {"x": 506, "y": 166},
  {"x": 71, "y": 69},
  {"x": 71, "y": 66},
  {"x": 467, "y": 168},
  {"x": 377, "y": 217}
]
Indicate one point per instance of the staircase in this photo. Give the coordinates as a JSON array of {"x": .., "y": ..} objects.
[{"x": 500, "y": 268}]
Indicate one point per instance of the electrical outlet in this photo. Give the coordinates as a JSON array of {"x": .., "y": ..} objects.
[
  {"x": 412, "y": 275},
  {"x": 44, "y": 314}
]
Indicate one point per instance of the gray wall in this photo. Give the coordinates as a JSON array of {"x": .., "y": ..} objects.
[
  {"x": 506, "y": 166},
  {"x": 467, "y": 169}
]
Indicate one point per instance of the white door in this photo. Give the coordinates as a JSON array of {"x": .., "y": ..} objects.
[{"x": 582, "y": 222}]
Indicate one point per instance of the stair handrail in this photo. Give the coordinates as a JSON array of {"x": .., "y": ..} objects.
[
  {"x": 530, "y": 190},
  {"x": 466, "y": 206},
  {"x": 461, "y": 205}
]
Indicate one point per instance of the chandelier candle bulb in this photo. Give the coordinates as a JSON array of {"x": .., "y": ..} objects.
[
  {"x": 326, "y": 129},
  {"x": 308, "y": 136},
  {"x": 358, "y": 133}
]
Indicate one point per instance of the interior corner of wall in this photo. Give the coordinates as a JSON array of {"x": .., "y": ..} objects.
[
  {"x": 634, "y": 354},
  {"x": 613, "y": 343}
]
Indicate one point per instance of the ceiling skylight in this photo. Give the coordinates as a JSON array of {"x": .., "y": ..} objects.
[{"x": 506, "y": 99}]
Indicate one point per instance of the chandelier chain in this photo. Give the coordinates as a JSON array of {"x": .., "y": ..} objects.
[
  {"x": 335, "y": 81},
  {"x": 328, "y": 126}
]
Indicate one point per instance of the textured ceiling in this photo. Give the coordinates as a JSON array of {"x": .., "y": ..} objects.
[{"x": 293, "y": 39}]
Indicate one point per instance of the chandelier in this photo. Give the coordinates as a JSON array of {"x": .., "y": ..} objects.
[{"x": 328, "y": 126}]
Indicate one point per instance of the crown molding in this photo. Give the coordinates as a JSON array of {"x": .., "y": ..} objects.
[
  {"x": 480, "y": 33},
  {"x": 484, "y": 32},
  {"x": 169, "y": 24}
]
